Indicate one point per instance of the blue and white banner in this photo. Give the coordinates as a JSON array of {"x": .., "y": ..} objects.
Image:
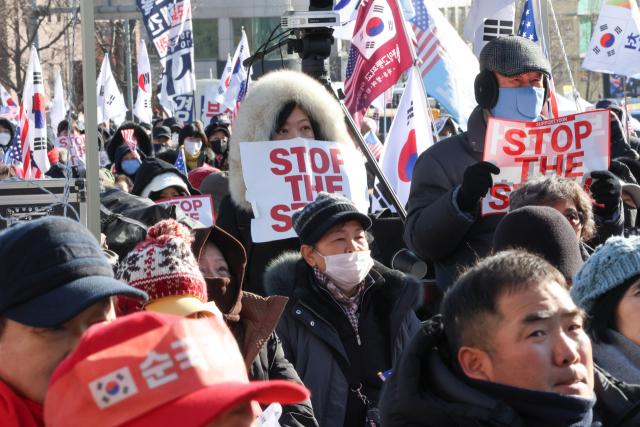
[{"x": 183, "y": 108}]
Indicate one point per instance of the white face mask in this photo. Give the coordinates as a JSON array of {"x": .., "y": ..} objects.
[
  {"x": 192, "y": 147},
  {"x": 174, "y": 140},
  {"x": 346, "y": 271},
  {"x": 5, "y": 138}
]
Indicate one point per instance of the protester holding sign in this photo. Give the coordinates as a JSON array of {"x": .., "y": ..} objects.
[
  {"x": 251, "y": 318},
  {"x": 348, "y": 317},
  {"x": 444, "y": 223},
  {"x": 282, "y": 105}
]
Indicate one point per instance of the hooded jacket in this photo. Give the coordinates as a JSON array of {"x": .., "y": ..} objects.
[
  {"x": 423, "y": 391},
  {"x": 256, "y": 121},
  {"x": 253, "y": 320},
  {"x": 154, "y": 175},
  {"x": 309, "y": 333},
  {"x": 12, "y": 132},
  {"x": 435, "y": 229},
  {"x": 144, "y": 142},
  {"x": 120, "y": 153}
]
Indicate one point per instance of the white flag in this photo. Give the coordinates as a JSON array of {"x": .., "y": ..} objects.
[
  {"x": 142, "y": 108},
  {"x": 179, "y": 77},
  {"x": 100, "y": 88},
  {"x": 487, "y": 20},
  {"x": 114, "y": 105},
  {"x": 33, "y": 100},
  {"x": 409, "y": 136},
  {"x": 57, "y": 112},
  {"x": 236, "y": 89},
  {"x": 615, "y": 44},
  {"x": 225, "y": 79}
]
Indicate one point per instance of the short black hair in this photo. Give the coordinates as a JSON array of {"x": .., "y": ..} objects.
[
  {"x": 470, "y": 307},
  {"x": 192, "y": 131},
  {"x": 602, "y": 316},
  {"x": 286, "y": 111}
]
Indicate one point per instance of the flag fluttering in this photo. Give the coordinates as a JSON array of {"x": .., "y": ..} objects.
[
  {"x": 57, "y": 107},
  {"x": 127, "y": 135},
  {"x": 236, "y": 89},
  {"x": 487, "y": 20},
  {"x": 180, "y": 164},
  {"x": 7, "y": 101},
  {"x": 380, "y": 53},
  {"x": 142, "y": 108},
  {"x": 409, "y": 136}
]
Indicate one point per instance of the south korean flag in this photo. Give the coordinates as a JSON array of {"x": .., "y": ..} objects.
[
  {"x": 113, "y": 388},
  {"x": 607, "y": 40},
  {"x": 378, "y": 29}
]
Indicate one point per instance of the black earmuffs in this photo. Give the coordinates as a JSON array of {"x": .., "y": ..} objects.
[{"x": 487, "y": 90}]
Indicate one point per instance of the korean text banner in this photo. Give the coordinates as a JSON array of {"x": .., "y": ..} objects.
[
  {"x": 283, "y": 176},
  {"x": 571, "y": 146}
]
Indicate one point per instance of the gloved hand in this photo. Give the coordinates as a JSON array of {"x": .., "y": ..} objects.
[
  {"x": 476, "y": 183},
  {"x": 622, "y": 171},
  {"x": 606, "y": 191}
]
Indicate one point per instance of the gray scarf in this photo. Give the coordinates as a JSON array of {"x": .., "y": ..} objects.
[{"x": 621, "y": 358}]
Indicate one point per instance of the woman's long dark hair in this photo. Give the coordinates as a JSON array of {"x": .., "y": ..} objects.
[
  {"x": 286, "y": 112},
  {"x": 602, "y": 315}
]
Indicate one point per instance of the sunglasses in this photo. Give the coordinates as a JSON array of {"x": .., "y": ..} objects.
[{"x": 575, "y": 218}]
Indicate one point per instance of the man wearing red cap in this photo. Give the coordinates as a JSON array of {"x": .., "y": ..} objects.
[{"x": 151, "y": 369}]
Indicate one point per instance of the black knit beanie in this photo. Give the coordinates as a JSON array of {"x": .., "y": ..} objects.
[{"x": 543, "y": 231}]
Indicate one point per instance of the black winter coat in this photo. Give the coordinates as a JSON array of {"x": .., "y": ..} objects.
[
  {"x": 237, "y": 222},
  {"x": 434, "y": 229},
  {"x": 423, "y": 392},
  {"x": 313, "y": 339}
]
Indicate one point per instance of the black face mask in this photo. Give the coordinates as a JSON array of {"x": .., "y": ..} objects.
[
  {"x": 630, "y": 214},
  {"x": 219, "y": 146}
]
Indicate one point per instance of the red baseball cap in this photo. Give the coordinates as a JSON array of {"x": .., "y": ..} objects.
[{"x": 150, "y": 369}]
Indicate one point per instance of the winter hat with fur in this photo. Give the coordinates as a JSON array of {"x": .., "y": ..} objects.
[
  {"x": 165, "y": 267},
  {"x": 256, "y": 120},
  {"x": 609, "y": 266}
]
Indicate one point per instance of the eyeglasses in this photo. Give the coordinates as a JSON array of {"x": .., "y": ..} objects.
[{"x": 575, "y": 218}]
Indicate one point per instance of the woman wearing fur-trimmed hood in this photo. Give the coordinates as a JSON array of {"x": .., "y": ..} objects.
[{"x": 268, "y": 113}]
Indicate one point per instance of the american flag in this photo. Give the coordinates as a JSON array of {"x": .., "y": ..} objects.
[
  {"x": 180, "y": 163},
  {"x": 354, "y": 65},
  {"x": 127, "y": 134},
  {"x": 528, "y": 30},
  {"x": 430, "y": 46},
  {"x": 374, "y": 145}
]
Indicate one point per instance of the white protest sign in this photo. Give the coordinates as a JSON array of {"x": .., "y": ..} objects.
[
  {"x": 283, "y": 176},
  {"x": 571, "y": 146},
  {"x": 199, "y": 208},
  {"x": 270, "y": 416},
  {"x": 75, "y": 146}
]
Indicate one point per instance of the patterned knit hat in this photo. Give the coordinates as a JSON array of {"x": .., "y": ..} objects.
[
  {"x": 609, "y": 266},
  {"x": 164, "y": 266},
  {"x": 324, "y": 212}
]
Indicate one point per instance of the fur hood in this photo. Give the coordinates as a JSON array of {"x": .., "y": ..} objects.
[{"x": 256, "y": 119}]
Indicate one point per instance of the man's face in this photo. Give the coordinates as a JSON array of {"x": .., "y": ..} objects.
[
  {"x": 28, "y": 355},
  {"x": 340, "y": 239},
  {"x": 212, "y": 262},
  {"x": 540, "y": 344},
  {"x": 161, "y": 140},
  {"x": 529, "y": 79},
  {"x": 240, "y": 415}
]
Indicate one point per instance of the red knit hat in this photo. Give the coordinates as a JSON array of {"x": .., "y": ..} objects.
[
  {"x": 163, "y": 266},
  {"x": 198, "y": 174},
  {"x": 150, "y": 370}
]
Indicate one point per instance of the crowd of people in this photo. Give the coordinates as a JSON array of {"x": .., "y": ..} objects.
[{"x": 533, "y": 318}]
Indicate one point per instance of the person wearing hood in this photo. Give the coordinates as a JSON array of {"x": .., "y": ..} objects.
[
  {"x": 281, "y": 105},
  {"x": 508, "y": 350},
  {"x": 196, "y": 147},
  {"x": 218, "y": 135},
  {"x": 444, "y": 223},
  {"x": 159, "y": 180},
  {"x": 7, "y": 133},
  {"x": 251, "y": 318},
  {"x": 348, "y": 317},
  {"x": 607, "y": 287},
  {"x": 139, "y": 134},
  {"x": 125, "y": 162}
]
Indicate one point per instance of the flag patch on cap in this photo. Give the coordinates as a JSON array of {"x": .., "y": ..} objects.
[{"x": 113, "y": 387}]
